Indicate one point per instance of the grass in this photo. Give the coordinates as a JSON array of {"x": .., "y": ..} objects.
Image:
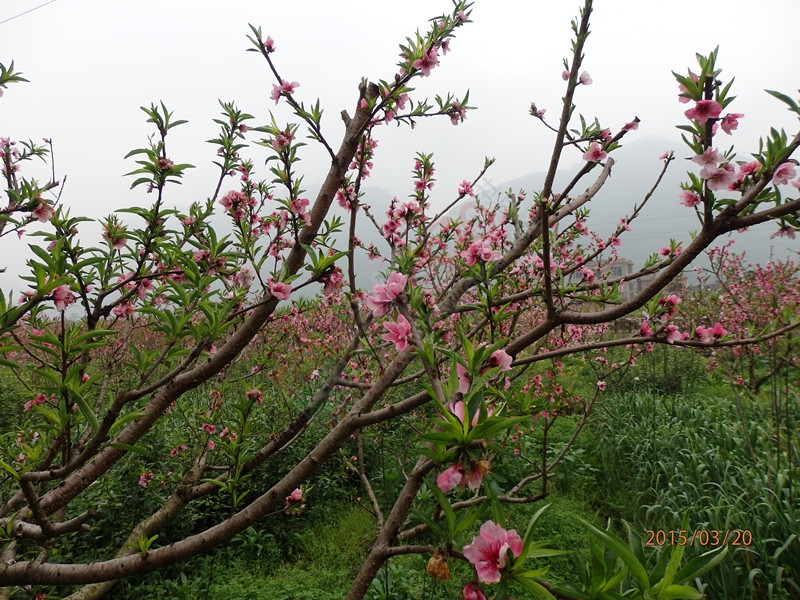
[{"x": 696, "y": 454}]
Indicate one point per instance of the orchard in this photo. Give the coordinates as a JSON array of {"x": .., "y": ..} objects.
[{"x": 179, "y": 385}]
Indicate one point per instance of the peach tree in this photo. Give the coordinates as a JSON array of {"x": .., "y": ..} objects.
[{"x": 174, "y": 326}]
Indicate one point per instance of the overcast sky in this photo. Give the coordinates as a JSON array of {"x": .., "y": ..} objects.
[{"x": 93, "y": 63}]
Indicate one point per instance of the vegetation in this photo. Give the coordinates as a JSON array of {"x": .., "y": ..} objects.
[{"x": 473, "y": 426}]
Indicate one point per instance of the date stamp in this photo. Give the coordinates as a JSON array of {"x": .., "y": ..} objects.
[{"x": 700, "y": 537}]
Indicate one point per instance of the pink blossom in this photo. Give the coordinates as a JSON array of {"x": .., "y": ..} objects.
[
  {"x": 465, "y": 189},
  {"x": 332, "y": 283},
  {"x": 270, "y": 45},
  {"x": 717, "y": 330},
  {"x": 124, "y": 310},
  {"x": 401, "y": 101},
  {"x": 784, "y": 173},
  {"x": 472, "y": 591},
  {"x": 730, "y": 122},
  {"x": 565, "y": 75},
  {"x": 585, "y": 79},
  {"x": 145, "y": 478},
  {"x": 38, "y": 400},
  {"x": 488, "y": 551},
  {"x": 44, "y": 212},
  {"x": 689, "y": 198},
  {"x": 704, "y": 110},
  {"x": 710, "y": 156},
  {"x": 481, "y": 250},
  {"x": 595, "y": 153},
  {"x": 646, "y": 330},
  {"x": 601, "y": 385},
  {"x": 284, "y": 87},
  {"x": 673, "y": 334},
  {"x": 398, "y": 333},
  {"x": 245, "y": 276},
  {"x": 280, "y": 290},
  {"x": 631, "y": 126},
  {"x": 450, "y": 478},
  {"x": 427, "y": 62},
  {"x": 784, "y": 231},
  {"x": 383, "y": 294},
  {"x": 464, "y": 383},
  {"x": 295, "y": 496},
  {"x": 499, "y": 358},
  {"x": 62, "y": 297},
  {"x": 282, "y": 140},
  {"x": 720, "y": 179}
]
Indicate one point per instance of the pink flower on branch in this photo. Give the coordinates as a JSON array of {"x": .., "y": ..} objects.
[
  {"x": 585, "y": 79},
  {"x": 730, "y": 122},
  {"x": 479, "y": 251},
  {"x": 458, "y": 475},
  {"x": 673, "y": 333},
  {"x": 383, "y": 294},
  {"x": 499, "y": 358},
  {"x": 62, "y": 297},
  {"x": 450, "y": 478},
  {"x": 720, "y": 179},
  {"x": 784, "y": 173},
  {"x": 280, "y": 290},
  {"x": 245, "y": 276},
  {"x": 44, "y": 212},
  {"x": 398, "y": 333},
  {"x": 489, "y": 551},
  {"x": 472, "y": 591},
  {"x": 37, "y": 401},
  {"x": 704, "y": 110},
  {"x": 284, "y": 87},
  {"x": 465, "y": 189},
  {"x": 784, "y": 231},
  {"x": 595, "y": 153},
  {"x": 689, "y": 198},
  {"x": 709, "y": 157},
  {"x": 427, "y": 62}
]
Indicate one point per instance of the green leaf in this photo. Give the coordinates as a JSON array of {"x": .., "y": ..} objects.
[
  {"x": 622, "y": 551},
  {"x": 785, "y": 99},
  {"x": 537, "y": 590},
  {"x": 527, "y": 539},
  {"x": 129, "y": 448},
  {"x": 86, "y": 411},
  {"x": 119, "y": 423},
  {"x": 701, "y": 564},
  {"x": 6, "y": 467},
  {"x": 449, "y": 515},
  {"x": 676, "y": 592}
]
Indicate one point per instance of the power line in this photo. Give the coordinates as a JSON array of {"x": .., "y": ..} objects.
[{"x": 27, "y": 11}]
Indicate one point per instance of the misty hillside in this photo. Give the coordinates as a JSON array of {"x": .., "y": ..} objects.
[
  {"x": 636, "y": 170},
  {"x": 634, "y": 174}
]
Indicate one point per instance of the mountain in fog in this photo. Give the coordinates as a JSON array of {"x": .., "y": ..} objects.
[{"x": 633, "y": 175}]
